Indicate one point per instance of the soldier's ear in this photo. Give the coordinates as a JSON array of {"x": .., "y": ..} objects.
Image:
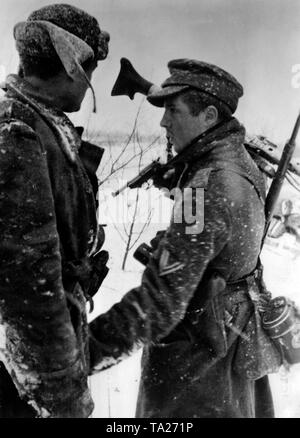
[{"x": 211, "y": 115}]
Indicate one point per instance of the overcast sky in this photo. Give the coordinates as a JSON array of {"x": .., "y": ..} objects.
[{"x": 258, "y": 41}]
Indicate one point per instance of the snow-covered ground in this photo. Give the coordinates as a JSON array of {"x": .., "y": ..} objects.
[{"x": 115, "y": 390}]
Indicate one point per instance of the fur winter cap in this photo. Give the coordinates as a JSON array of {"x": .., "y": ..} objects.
[
  {"x": 66, "y": 32},
  {"x": 33, "y": 39}
]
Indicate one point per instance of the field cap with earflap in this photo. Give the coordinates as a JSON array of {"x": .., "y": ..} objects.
[{"x": 198, "y": 75}]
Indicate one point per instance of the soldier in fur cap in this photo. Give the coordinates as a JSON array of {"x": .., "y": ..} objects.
[
  {"x": 48, "y": 227},
  {"x": 196, "y": 310}
]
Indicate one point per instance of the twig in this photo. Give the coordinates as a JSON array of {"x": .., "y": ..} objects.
[{"x": 146, "y": 224}]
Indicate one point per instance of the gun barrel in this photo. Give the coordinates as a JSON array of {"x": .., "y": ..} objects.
[
  {"x": 117, "y": 192},
  {"x": 295, "y": 130},
  {"x": 140, "y": 179}
]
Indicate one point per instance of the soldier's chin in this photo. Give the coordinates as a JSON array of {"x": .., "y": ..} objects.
[{"x": 177, "y": 147}]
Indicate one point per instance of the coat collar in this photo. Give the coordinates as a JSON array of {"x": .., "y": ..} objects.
[
  {"x": 222, "y": 137},
  {"x": 43, "y": 105},
  {"x": 222, "y": 147}
]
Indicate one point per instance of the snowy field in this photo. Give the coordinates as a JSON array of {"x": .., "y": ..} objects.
[{"x": 114, "y": 391}]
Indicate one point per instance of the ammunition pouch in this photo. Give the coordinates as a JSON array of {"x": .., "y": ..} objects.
[
  {"x": 271, "y": 335},
  {"x": 256, "y": 353},
  {"x": 279, "y": 322}
]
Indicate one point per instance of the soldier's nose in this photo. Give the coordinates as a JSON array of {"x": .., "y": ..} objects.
[{"x": 164, "y": 122}]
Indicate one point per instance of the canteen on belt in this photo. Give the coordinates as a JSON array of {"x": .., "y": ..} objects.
[{"x": 282, "y": 322}]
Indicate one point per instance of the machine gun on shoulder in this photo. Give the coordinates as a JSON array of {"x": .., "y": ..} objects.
[
  {"x": 266, "y": 154},
  {"x": 283, "y": 166},
  {"x": 263, "y": 152}
]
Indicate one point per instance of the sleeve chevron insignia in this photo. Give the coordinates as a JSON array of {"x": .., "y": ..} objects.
[{"x": 166, "y": 266}]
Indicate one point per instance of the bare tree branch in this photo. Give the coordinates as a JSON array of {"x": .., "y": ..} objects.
[
  {"x": 120, "y": 234},
  {"x": 146, "y": 224},
  {"x": 138, "y": 154}
]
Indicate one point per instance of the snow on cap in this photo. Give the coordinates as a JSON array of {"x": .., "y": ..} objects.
[
  {"x": 35, "y": 40},
  {"x": 207, "y": 78}
]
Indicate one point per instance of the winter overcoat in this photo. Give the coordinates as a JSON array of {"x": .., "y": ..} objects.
[
  {"x": 195, "y": 312},
  {"x": 48, "y": 230}
]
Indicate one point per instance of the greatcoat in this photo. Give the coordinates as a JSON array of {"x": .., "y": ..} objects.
[
  {"x": 48, "y": 231},
  {"x": 204, "y": 351}
]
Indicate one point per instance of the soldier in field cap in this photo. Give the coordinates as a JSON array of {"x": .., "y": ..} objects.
[
  {"x": 196, "y": 310},
  {"x": 48, "y": 227}
]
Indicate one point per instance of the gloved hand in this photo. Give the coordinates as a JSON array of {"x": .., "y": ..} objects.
[
  {"x": 144, "y": 251},
  {"x": 98, "y": 273},
  {"x": 155, "y": 241}
]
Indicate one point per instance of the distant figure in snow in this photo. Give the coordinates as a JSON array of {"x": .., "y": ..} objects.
[{"x": 285, "y": 221}]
